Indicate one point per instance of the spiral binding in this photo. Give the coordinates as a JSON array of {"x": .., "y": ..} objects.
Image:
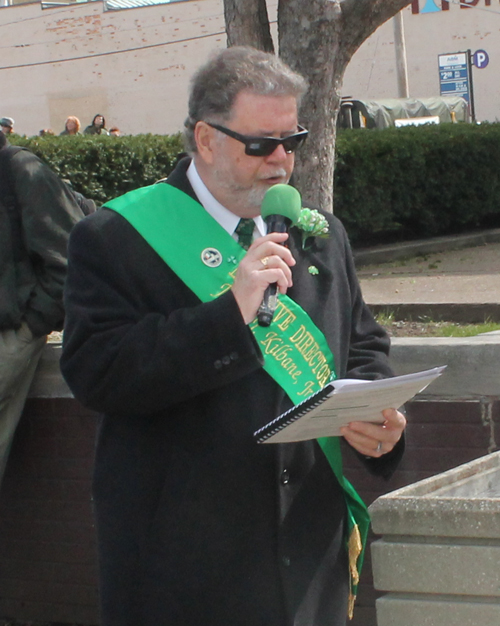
[{"x": 293, "y": 414}]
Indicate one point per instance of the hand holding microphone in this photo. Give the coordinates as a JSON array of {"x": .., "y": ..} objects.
[{"x": 266, "y": 267}]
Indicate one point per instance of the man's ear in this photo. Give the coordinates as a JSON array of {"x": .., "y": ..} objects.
[{"x": 204, "y": 137}]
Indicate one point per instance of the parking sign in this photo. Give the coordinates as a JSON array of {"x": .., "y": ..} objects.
[{"x": 480, "y": 59}]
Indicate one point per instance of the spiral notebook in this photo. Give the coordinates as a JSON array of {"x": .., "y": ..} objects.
[{"x": 343, "y": 401}]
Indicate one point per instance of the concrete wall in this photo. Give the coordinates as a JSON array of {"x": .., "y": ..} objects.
[
  {"x": 439, "y": 553},
  {"x": 134, "y": 65},
  {"x": 454, "y": 421},
  {"x": 440, "y": 436},
  {"x": 48, "y": 560}
]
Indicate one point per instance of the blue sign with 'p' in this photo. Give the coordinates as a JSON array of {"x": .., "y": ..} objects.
[{"x": 480, "y": 59}]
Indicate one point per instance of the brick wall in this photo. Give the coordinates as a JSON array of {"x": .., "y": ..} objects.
[
  {"x": 48, "y": 566},
  {"x": 47, "y": 547}
]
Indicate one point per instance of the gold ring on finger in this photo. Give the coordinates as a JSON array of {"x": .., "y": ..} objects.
[{"x": 264, "y": 261}]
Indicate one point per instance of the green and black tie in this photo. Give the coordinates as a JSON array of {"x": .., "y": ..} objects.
[{"x": 244, "y": 230}]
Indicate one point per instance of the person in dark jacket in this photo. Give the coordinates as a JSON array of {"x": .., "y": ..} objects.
[
  {"x": 6, "y": 125},
  {"x": 37, "y": 212},
  {"x": 98, "y": 126},
  {"x": 196, "y": 522}
]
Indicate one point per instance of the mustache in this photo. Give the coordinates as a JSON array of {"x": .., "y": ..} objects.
[{"x": 279, "y": 173}]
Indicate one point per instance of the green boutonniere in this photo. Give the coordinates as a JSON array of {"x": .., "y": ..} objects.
[{"x": 312, "y": 224}]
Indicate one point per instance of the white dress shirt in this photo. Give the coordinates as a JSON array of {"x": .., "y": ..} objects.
[{"x": 228, "y": 220}]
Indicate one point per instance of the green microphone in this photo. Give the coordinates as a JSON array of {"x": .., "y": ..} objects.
[{"x": 280, "y": 209}]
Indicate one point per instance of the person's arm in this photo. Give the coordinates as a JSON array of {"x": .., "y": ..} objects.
[
  {"x": 48, "y": 213},
  {"x": 136, "y": 348},
  {"x": 380, "y": 446}
]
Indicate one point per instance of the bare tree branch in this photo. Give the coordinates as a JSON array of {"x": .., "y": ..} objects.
[
  {"x": 361, "y": 18},
  {"x": 247, "y": 24}
]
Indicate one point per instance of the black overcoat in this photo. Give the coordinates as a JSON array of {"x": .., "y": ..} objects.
[{"x": 197, "y": 524}]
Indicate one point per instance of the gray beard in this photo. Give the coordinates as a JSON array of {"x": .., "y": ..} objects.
[{"x": 246, "y": 198}]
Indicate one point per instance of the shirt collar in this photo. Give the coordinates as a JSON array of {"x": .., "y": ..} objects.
[{"x": 228, "y": 220}]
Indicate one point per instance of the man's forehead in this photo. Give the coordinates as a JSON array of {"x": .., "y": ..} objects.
[
  {"x": 265, "y": 113},
  {"x": 247, "y": 96}
]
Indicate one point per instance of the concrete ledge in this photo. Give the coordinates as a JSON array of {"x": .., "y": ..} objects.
[
  {"x": 473, "y": 370},
  {"x": 399, "y": 566},
  {"x": 449, "y": 312},
  {"x": 435, "y": 507},
  {"x": 408, "y": 249},
  {"x": 440, "y": 549},
  {"x": 394, "y": 610},
  {"x": 473, "y": 366}
]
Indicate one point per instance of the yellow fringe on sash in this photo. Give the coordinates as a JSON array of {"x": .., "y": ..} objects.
[{"x": 354, "y": 547}]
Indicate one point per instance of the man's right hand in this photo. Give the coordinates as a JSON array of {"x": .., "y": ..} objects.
[{"x": 266, "y": 262}]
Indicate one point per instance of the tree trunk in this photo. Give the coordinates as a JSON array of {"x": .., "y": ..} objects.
[
  {"x": 309, "y": 41},
  {"x": 316, "y": 38},
  {"x": 247, "y": 24}
]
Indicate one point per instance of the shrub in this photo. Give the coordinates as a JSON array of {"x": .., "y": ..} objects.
[
  {"x": 391, "y": 184},
  {"x": 102, "y": 167},
  {"x": 412, "y": 182}
]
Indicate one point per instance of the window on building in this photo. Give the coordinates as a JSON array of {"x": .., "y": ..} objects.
[
  {"x": 116, "y": 5},
  {"x": 109, "y": 5},
  {"x": 51, "y": 4},
  {"x": 11, "y": 3}
]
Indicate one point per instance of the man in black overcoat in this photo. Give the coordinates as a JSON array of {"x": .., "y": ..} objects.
[{"x": 198, "y": 525}]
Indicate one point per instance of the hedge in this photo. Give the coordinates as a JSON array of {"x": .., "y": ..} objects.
[
  {"x": 416, "y": 182},
  {"x": 102, "y": 167},
  {"x": 391, "y": 184}
]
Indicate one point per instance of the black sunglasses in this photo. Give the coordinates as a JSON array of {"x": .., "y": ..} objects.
[{"x": 264, "y": 146}]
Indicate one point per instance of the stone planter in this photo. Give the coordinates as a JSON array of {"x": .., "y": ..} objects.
[{"x": 439, "y": 556}]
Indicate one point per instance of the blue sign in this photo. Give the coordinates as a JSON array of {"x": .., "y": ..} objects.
[
  {"x": 430, "y": 7},
  {"x": 480, "y": 59},
  {"x": 454, "y": 77}
]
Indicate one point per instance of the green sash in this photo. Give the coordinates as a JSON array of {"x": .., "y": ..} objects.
[{"x": 296, "y": 353}]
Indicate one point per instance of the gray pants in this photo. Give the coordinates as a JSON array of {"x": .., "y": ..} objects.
[{"x": 19, "y": 355}]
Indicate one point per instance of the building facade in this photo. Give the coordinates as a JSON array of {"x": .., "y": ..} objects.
[
  {"x": 432, "y": 28},
  {"x": 133, "y": 65}
]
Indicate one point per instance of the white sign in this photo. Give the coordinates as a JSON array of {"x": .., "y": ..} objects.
[
  {"x": 448, "y": 60},
  {"x": 416, "y": 121}
]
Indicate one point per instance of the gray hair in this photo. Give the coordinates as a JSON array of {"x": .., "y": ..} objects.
[{"x": 215, "y": 85}]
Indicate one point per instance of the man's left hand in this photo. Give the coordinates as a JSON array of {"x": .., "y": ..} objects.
[{"x": 375, "y": 440}]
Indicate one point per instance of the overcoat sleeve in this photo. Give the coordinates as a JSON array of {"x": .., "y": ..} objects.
[
  {"x": 136, "y": 339},
  {"x": 361, "y": 346}
]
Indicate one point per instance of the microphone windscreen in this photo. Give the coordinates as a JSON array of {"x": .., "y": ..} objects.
[{"x": 282, "y": 200}]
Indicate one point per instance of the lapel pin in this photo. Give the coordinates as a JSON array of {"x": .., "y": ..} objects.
[
  {"x": 312, "y": 269},
  {"x": 211, "y": 257}
]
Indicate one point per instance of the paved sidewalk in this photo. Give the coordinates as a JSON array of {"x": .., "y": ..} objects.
[{"x": 442, "y": 282}]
